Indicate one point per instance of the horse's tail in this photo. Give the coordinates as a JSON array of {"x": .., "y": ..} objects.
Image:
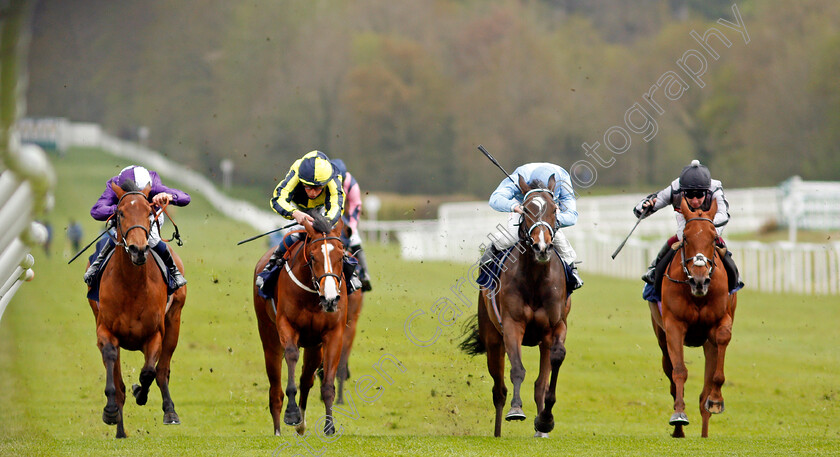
[{"x": 472, "y": 343}]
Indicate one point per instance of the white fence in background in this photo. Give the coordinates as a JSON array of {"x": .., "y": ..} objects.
[
  {"x": 25, "y": 189},
  {"x": 604, "y": 221}
]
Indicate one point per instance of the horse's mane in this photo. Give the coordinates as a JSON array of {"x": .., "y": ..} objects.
[
  {"x": 320, "y": 223},
  {"x": 129, "y": 186}
]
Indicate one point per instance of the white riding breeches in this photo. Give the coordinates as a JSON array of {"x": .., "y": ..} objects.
[{"x": 509, "y": 235}]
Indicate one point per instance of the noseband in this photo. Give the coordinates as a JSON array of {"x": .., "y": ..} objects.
[
  {"x": 698, "y": 259},
  {"x": 123, "y": 234}
]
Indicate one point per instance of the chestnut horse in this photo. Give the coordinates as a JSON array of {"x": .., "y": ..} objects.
[
  {"x": 533, "y": 307},
  {"x": 697, "y": 310},
  {"x": 133, "y": 312},
  {"x": 310, "y": 316}
]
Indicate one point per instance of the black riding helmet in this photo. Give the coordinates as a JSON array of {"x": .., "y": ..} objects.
[{"x": 695, "y": 176}]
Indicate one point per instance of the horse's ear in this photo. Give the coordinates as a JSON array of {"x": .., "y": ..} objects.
[
  {"x": 309, "y": 229},
  {"x": 117, "y": 190},
  {"x": 712, "y": 209},
  {"x": 551, "y": 183},
  {"x": 146, "y": 190},
  {"x": 523, "y": 186},
  {"x": 686, "y": 210}
]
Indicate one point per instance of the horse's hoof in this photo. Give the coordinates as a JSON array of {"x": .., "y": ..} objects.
[
  {"x": 329, "y": 428},
  {"x": 111, "y": 417},
  {"x": 515, "y": 414},
  {"x": 714, "y": 407},
  {"x": 292, "y": 417},
  {"x": 171, "y": 419},
  {"x": 541, "y": 426},
  {"x": 139, "y": 395},
  {"x": 678, "y": 419},
  {"x": 540, "y": 435}
]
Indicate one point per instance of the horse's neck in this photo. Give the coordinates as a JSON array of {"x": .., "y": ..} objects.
[{"x": 122, "y": 261}]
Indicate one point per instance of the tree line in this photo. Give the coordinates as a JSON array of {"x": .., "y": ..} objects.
[{"x": 405, "y": 91}]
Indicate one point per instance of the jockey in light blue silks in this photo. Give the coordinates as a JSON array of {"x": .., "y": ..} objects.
[{"x": 507, "y": 198}]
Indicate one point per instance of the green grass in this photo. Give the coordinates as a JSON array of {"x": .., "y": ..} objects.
[{"x": 781, "y": 392}]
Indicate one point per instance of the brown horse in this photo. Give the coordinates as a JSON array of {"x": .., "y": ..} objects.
[
  {"x": 697, "y": 310},
  {"x": 532, "y": 307},
  {"x": 133, "y": 312},
  {"x": 354, "y": 309},
  {"x": 310, "y": 316}
]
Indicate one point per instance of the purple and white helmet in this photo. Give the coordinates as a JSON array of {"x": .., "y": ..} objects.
[{"x": 137, "y": 174}]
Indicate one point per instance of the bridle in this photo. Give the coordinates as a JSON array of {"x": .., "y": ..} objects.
[
  {"x": 316, "y": 281},
  {"x": 528, "y": 239},
  {"x": 698, "y": 259},
  {"x": 118, "y": 225}
]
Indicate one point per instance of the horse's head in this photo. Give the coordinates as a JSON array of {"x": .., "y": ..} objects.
[
  {"x": 537, "y": 227},
  {"x": 699, "y": 238},
  {"x": 132, "y": 220},
  {"x": 325, "y": 253}
]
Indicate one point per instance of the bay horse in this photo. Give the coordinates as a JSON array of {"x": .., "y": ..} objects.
[
  {"x": 133, "y": 312},
  {"x": 697, "y": 310},
  {"x": 311, "y": 316},
  {"x": 533, "y": 308}
]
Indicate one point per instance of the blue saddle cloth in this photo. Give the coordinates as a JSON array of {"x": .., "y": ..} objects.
[
  {"x": 649, "y": 292},
  {"x": 270, "y": 277},
  {"x": 489, "y": 273},
  {"x": 93, "y": 293}
]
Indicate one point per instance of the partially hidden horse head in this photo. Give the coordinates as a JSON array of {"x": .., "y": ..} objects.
[
  {"x": 324, "y": 254},
  {"x": 537, "y": 227},
  {"x": 132, "y": 220},
  {"x": 698, "y": 248}
]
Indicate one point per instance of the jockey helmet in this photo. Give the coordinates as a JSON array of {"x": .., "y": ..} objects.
[
  {"x": 695, "y": 176},
  {"x": 315, "y": 169},
  {"x": 137, "y": 174}
]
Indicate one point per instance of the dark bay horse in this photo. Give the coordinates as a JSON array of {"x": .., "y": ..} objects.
[
  {"x": 133, "y": 312},
  {"x": 309, "y": 311},
  {"x": 532, "y": 306},
  {"x": 697, "y": 310}
]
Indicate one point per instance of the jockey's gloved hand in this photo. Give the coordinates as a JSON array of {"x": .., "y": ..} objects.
[{"x": 110, "y": 223}]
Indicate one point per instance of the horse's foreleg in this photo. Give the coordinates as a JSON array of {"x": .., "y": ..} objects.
[
  {"x": 120, "y": 385},
  {"x": 332, "y": 356},
  {"x": 170, "y": 341},
  {"x": 151, "y": 350},
  {"x": 513, "y": 346},
  {"x": 710, "y": 353},
  {"x": 311, "y": 362},
  {"x": 292, "y": 415},
  {"x": 675, "y": 338},
  {"x": 541, "y": 383},
  {"x": 544, "y": 422},
  {"x": 109, "y": 347},
  {"x": 721, "y": 337}
]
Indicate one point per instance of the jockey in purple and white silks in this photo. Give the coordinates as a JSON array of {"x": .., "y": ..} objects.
[
  {"x": 507, "y": 198},
  {"x": 159, "y": 195}
]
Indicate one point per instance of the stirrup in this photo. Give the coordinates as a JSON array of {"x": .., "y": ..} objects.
[{"x": 180, "y": 280}]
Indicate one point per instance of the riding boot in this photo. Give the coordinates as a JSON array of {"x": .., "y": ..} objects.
[
  {"x": 93, "y": 270},
  {"x": 350, "y": 275},
  {"x": 364, "y": 276},
  {"x": 275, "y": 260},
  {"x": 729, "y": 265},
  {"x": 489, "y": 256},
  {"x": 650, "y": 276},
  {"x": 163, "y": 251},
  {"x": 578, "y": 280}
]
